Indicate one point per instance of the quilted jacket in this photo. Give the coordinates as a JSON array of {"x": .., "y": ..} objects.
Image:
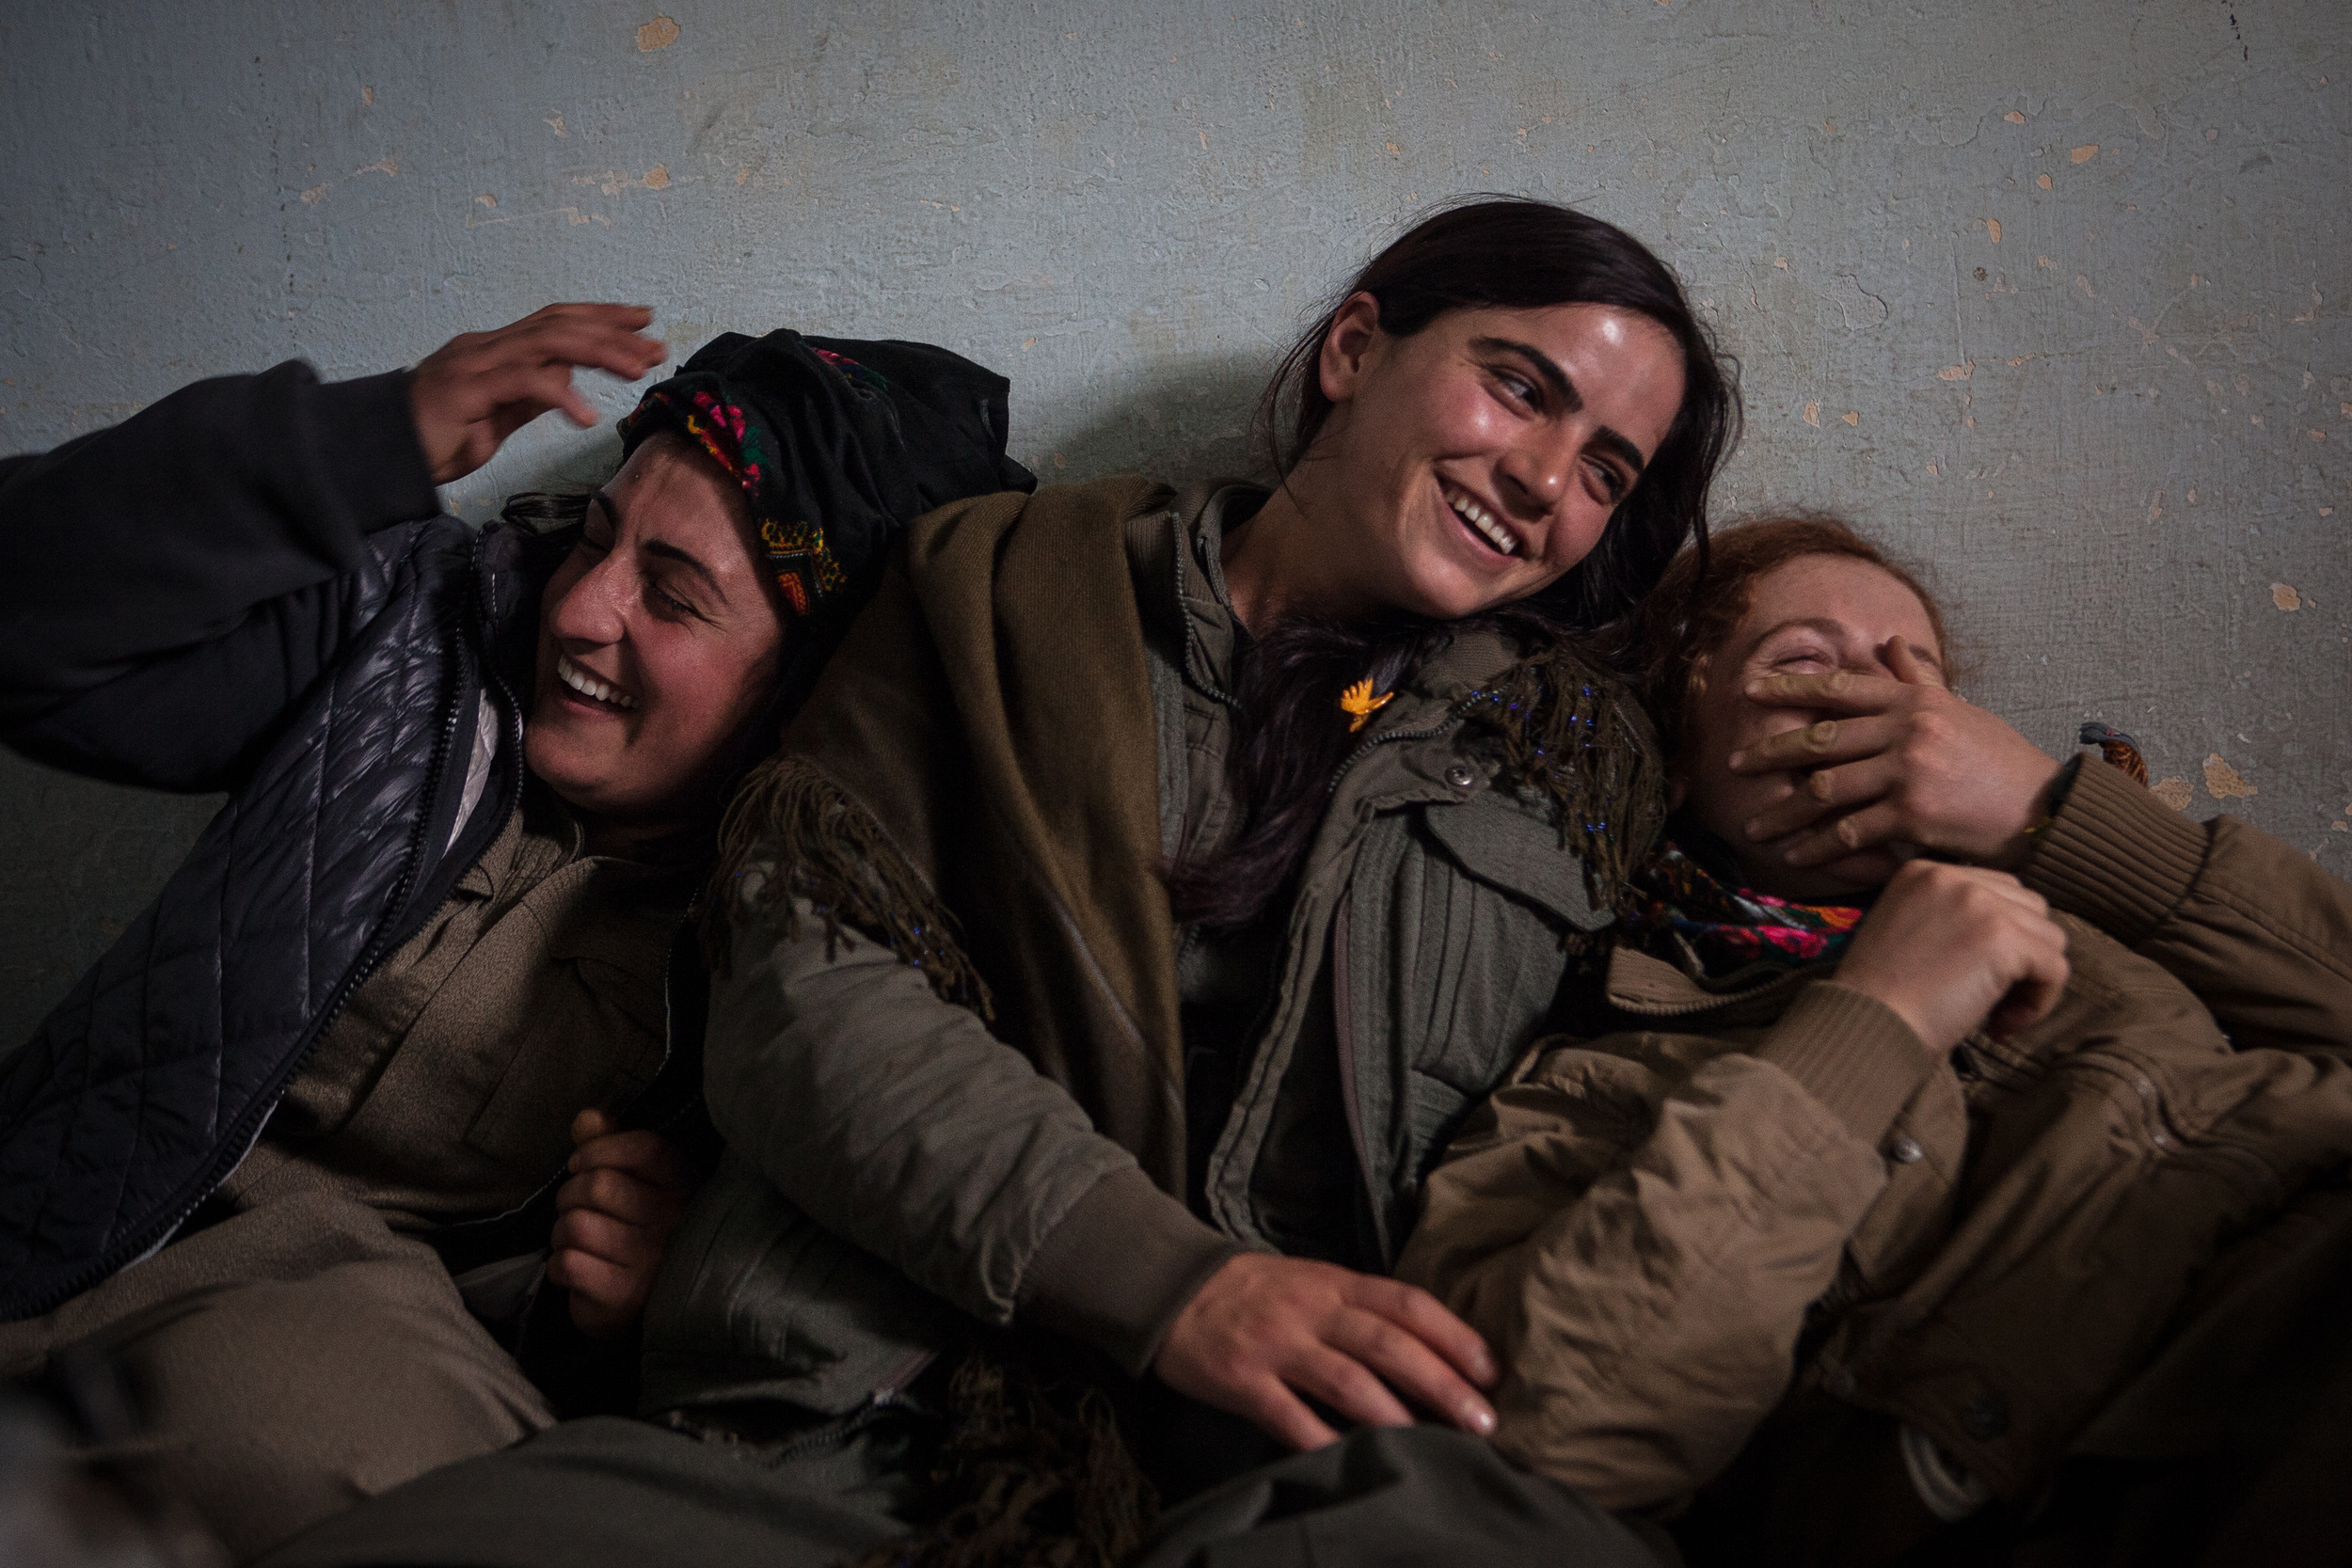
[{"x": 244, "y": 587}]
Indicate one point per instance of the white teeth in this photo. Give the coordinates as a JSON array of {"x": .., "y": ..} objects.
[
  {"x": 588, "y": 686},
  {"x": 1480, "y": 518}
]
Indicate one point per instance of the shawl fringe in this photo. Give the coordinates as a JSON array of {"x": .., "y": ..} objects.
[
  {"x": 792, "y": 834},
  {"x": 1575, "y": 738},
  {"x": 1034, "y": 1470}
]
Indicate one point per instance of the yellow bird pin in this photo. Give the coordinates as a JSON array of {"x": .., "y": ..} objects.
[{"x": 1358, "y": 700}]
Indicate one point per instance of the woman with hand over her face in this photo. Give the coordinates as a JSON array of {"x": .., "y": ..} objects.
[
  {"x": 1899, "y": 1180},
  {"x": 1150, "y": 885},
  {"x": 407, "y": 1026}
]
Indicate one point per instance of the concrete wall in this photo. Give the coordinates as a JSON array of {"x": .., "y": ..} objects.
[{"x": 2052, "y": 294}]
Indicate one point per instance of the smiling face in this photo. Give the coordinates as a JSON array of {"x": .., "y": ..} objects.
[
  {"x": 1479, "y": 459},
  {"x": 658, "y": 640},
  {"x": 1813, "y": 615}
]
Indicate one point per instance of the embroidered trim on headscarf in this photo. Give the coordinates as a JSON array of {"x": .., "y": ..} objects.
[{"x": 805, "y": 567}]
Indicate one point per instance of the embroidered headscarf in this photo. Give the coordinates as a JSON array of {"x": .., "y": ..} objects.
[{"x": 837, "y": 443}]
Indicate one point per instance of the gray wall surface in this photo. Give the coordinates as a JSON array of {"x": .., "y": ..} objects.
[{"x": 2052, "y": 295}]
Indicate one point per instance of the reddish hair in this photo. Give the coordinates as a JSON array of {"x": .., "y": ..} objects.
[{"x": 1692, "y": 612}]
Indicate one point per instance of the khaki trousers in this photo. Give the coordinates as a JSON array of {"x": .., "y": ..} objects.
[{"x": 289, "y": 1362}]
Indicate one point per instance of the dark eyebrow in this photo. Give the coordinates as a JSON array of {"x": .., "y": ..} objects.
[
  {"x": 1563, "y": 389},
  {"x": 1564, "y": 393},
  {"x": 662, "y": 547}
]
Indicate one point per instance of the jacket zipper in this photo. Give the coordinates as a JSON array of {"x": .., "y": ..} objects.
[
  {"x": 249, "y": 1126},
  {"x": 1453, "y": 717}
]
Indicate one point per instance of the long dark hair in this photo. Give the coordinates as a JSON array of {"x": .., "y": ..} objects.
[
  {"x": 1500, "y": 252},
  {"x": 1513, "y": 254}
]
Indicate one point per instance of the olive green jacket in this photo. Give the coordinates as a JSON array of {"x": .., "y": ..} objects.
[
  {"x": 896, "y": 1157},
  {"x": 1649, "y": 1223}
]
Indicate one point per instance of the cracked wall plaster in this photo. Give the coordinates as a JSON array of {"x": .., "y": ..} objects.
[{"x": 2053, "y": 298}]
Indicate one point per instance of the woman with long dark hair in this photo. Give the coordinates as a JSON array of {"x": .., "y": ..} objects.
[{"x": 1148, "y": 888}]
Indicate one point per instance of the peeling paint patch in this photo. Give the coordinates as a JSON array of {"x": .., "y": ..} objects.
[
  {"x": 1960, "y": 372},
  {"x": 2285, "y": 597},
  {"x": 658, "y": 177},
  {"x": 487, "y": 199},
  {"x": 311, "y": 196},
  {"x": 1992, "y": 227},
  {"x": 1812, "y": 415},
  {"x": 382, "y": 165},
  {"x": 2085, "y": 154},
  {"x": 2014, "y": 117},
  {"x": 2225, "y": 782},
  {"x": 555, "y": 124},
  {"x": 367, "y": 95},
  {"x": 2043, "y": 181},
  {"x": 661, "y": 32},
  {"x": 2175, "y": 793},
  {"x": 1853, "y": 416}
]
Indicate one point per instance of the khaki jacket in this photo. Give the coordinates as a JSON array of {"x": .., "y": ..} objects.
[{"x": 1656, "y": 1227}]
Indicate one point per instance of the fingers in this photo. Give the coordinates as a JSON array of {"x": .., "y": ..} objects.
[
  {"x": 647, "y": 1155},
  {"x": 1840, "y": 692},
  {"x": 604, "y": 1299},
  {"x": 1908, "y": 666},
  {"x": 1285, "y": 1416},
  {"x": 1821, "y": 744},
  {"x": 1264, "y": 1330},
  {"x": 1382, "y": 1356},
  {"x": 592, "y": 1123},
  {"x": 1424, "y": 1317},
  {"x": 2031, "y": 998},
  {"x": 479, "y": 387},
  {"x": 623, "y": 1196},
  {"x": 599, "y": 1234}
]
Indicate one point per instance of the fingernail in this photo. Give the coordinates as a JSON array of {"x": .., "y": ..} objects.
[
  {"x": 1477, "y": 1418},
  {"x": 1735, "y": 759}
]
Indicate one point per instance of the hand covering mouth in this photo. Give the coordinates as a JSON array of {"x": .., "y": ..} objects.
[
  {"x": 589, "y": 687},
  {"x": 1479, "y": 521}
]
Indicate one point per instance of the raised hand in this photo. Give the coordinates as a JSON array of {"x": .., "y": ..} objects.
[
  {"x": 1266, "y": 1330},
  {"x": 1899, "y": 761},
  {"x": 478, "y": 388},
  {"x": 615, "y": 1216},
  {"x": 1951, "y": 947}
]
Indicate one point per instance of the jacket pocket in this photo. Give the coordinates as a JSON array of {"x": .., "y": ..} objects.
[{"x": 1512, "y": 845}]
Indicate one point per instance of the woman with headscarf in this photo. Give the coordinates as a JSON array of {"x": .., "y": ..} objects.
[{"x": 323, "y": 1097}]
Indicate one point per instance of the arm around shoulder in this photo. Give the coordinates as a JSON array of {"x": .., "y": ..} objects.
[
  {"x": 165, "y": 532},
  {"x": 2258, "y": 931}
]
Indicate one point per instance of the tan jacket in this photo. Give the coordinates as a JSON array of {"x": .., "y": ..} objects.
[{"x": 1647, "y": 1225}]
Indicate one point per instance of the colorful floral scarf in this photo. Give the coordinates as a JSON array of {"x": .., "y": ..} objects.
[{"x": 1728, "y": 928}]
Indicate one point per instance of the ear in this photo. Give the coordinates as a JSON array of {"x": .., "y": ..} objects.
[{"x": 1355, "y": 328}]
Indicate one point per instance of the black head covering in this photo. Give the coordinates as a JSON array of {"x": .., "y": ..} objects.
[{"x": 839, "y": 444}]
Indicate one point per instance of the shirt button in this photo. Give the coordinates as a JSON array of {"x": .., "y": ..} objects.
[
  {"x": 1460, "y": 777},
  {"x": 1907, "y": 1152},
  {"x": 1984, "y": 1418}
]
